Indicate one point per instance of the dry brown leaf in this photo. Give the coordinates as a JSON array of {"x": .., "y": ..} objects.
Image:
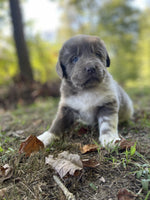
[
  {"x": 6, "y": 172},
  {"x": 65, "y": 163},
  {"x": 82, "y": 131},
  {"x": 125, "y": 194},
  {"x": 125, "y": 144},
  {"x": 30, "y": 145},
  {"x": 2, "y": 192},
  {"x": 92, "y": 163},
  {"x": 89, "y": 148}
]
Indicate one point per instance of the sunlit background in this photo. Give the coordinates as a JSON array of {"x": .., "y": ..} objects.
[{"x": 124, "y": 25}]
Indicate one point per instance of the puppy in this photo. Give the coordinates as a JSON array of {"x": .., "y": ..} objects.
[{"x": 88, "y": 91}]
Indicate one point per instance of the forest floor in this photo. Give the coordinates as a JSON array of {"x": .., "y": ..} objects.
[{"x": 32, "y": 179}]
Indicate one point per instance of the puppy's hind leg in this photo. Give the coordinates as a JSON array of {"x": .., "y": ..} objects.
[
  {"x": 64, "y": 119},
  {"x": 126, "y": 109}
]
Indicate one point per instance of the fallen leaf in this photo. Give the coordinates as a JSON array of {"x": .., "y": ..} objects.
[
  {"x": 18, "y": 133},
  {"x": 6, "y": 172},
  {"x": 92, "y": 163},
  {"x": 2, "y": 192},
  {"x": 30, "y": 145},
  {"x": 82, "y": 131},
  {"x": 125, "y": 194},
  {"x": 89, "y": 148},
  {"x": 65, "y": 163},
  {"x": 125, "y": 144}
]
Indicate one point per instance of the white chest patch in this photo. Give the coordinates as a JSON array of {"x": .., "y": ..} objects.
[{"x": 86, "y": 102}]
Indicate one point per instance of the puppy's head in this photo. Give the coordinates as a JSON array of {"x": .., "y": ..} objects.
[{"x": 83, "y": 60}]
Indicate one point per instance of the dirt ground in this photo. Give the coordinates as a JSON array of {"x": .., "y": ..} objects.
[{"x": 32, "y": 179}]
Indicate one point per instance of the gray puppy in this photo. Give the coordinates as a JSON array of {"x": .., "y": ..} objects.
[{"x": 88, "y": 91}]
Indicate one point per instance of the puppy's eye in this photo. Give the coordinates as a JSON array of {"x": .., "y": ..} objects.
[
  {"x": 75, "y": 59},
  {"x": 98, "y": 55}
]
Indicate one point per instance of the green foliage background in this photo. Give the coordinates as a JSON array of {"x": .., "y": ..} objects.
[{"x": 124, "y": 28}]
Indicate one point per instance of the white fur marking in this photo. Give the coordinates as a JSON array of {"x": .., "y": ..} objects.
[
  {"x": 111, "y": 136},
  {"x": 46, "y": 138},
  {"x": 104, "y": 126},
  {"x": 109, "y": 139},
  {"x": 86, "y": 101}
]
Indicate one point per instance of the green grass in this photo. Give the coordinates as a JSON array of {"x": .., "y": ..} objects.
[{"x": 32, "y": 179}]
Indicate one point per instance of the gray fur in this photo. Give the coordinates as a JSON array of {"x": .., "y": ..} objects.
[
  {"x": 64, "y": 119},
  {"x": 88, "y": 91}
]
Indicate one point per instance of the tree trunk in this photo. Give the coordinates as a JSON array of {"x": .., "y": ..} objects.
[{"x": 22, "y": 51}]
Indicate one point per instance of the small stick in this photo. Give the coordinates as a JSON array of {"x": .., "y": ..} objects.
[
  {"x": 28, "y": 189},
  {"x": 69, "y": 195},
  {"x": 139, "y": 192}
]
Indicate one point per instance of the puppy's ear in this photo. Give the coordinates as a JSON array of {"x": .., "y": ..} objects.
[
  {"x": 61, "y": 70},
  {"x": 107, "y": 61},
  {"x": 107, "y": 56}
]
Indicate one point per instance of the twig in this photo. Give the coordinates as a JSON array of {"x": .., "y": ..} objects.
[
  {"x": 69, "y": 195},
  {"x": 28, "y": 189},
  {"x": 139, "y": 192}
]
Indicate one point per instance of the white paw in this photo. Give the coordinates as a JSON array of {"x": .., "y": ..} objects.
[
  {"x": 47, "y": 138},
  {"x": 109, "y": 139}
]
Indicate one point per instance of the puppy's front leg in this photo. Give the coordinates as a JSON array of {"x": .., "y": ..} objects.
[
  {"x": 64, "y": 119},
  {"x": 108, "y": 124}
]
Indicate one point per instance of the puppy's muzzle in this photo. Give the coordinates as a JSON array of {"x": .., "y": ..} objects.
[
  {"x": 87, "y": 75},
  {"x": 90, "y": 70}
]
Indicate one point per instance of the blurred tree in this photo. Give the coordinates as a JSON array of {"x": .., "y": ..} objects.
[
  {"x": 120, "y": 27},
  {"x": 22, "y": 52},
  {"x": 44, "y": 57},
  {"x": 144, "y": 48},
  {"x": 7, "y": 52}
]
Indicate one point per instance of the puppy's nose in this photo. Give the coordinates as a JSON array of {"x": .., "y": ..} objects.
[{"x": 90, "y": 69}]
